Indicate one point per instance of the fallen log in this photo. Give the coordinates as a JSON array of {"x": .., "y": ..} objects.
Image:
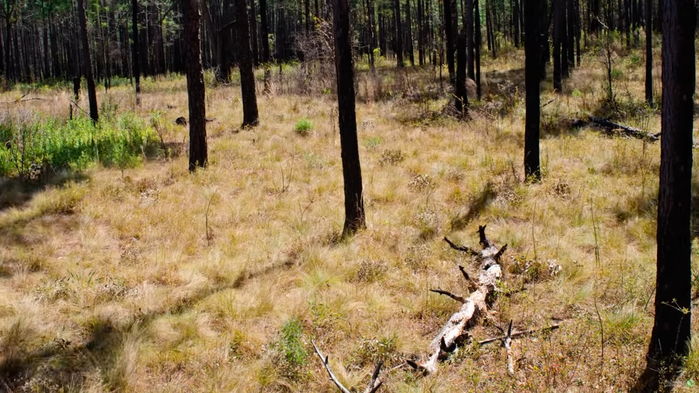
[
  {"x": 372, "y": 387},
  {"x": 476, "y": 305},
  {"x": 611, "y": 128}
]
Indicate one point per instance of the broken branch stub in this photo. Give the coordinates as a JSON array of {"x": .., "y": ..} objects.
[
  {"x": 473, "y": 307},
  {"x": 373, "y": 386}
]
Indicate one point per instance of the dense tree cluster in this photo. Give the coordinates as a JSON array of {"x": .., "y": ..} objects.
[{"x": 39, "y": 41}]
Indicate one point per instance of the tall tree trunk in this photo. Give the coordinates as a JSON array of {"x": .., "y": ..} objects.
[
  {"x": 649, "y": 51},
  {"x": 671, "y": 330},
  {"x": 479, "y": 44},
  {"x": 409, "y": 23},
  {"x": 372, "y": 33},
  {"x": 198, "y": 154},
  {"x": 245, "y": 63},
  {"x": 421, "y": 36},
  {"x": 135, "y": 62},
  {"x": 532, "y": 9},
  {"x": 469, "y": 39},
  {"x": 449, "y": 29},
  {"x": 557, "y": 35},
  {"x": 399, "y": 34},
  {"x": 87, "y": 62},
  {"x": 351, "y": 168},
  {"x": 460, "y": 96}
]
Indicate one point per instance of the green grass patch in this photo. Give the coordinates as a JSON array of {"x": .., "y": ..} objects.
[{"x": 29, "y": 149}]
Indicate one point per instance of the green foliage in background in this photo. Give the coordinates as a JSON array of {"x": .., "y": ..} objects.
[{"x": 31, "y": 148}]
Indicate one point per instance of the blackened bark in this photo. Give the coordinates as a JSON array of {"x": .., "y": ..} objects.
[
  {"x": 245, "y": 63},
  {"x": 479, "y": 44},
  {"x": 532, "y": 9},
  {"x": 198, "y": 155},
  {"x": 468, "y": 37},
  {"x": 671, "y": 330},
  {"x": 557, "y": 35},
  {"x": 87, "y": 62},
  {"x": 449, "y": 29},
  {"x": 409, "y": 24},
  {"x": 461, "y": 98},
  {"x": 649, "y": 51},
  {"x": 351, "y": 169},
  {"x": 136, "y": 65},
  {"x": 264, "y": 31},
  {"x": 399, "y": 34}
]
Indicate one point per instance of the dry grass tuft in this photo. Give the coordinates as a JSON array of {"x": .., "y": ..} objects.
[{"x": 154, "y": 279}]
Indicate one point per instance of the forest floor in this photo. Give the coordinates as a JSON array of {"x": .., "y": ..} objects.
[{"x": 152, "y": 279}]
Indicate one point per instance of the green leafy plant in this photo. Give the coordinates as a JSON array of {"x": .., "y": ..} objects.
[{"x": 303, "y": 127}]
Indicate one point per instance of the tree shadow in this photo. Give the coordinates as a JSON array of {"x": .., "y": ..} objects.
[
  {"x": 17, "y": 192},
  {"x": 481, "y": 201},
  {"x": 65, "y": 364}
]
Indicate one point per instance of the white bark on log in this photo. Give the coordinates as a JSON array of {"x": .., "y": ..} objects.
[{"x": 473, "y": 307}]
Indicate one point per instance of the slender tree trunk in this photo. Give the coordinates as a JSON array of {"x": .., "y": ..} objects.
[
  {"x": 468, "y": 37},
  {"x": 673, "y": 307},
  {"x": 351, "y": 168},
  {"x": 399, "y": 34},
  {"x": 409, "y": 24},
  {"x": 372, "y": 34},
  {"x": 198, "y": 154},
  {"x": 87, "y": 62},
  {"x": 245, "y": 63},
  {"x": 135, "y": 62},
  {"x": 649, "y": 51},
  {"x": 532, "y": 9},
  {"x": 449, "y": 28},
  {"x": 479, "y": 44},
  {"x": 461, "y": 98},
  {"x": 557, "y": 34}
]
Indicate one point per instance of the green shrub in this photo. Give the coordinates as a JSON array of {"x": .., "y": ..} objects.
[
  {"x": 303, "y": 127},
  {"x": 29, "y": 148},
  {"x": 291, "y": 356}
]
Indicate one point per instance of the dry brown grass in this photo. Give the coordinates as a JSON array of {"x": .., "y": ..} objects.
[{"x": 110, "y": 283}]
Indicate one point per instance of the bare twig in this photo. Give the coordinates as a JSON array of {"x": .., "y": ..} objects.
[
  {"x": 461, "y": 248},
  {"x": 374, "y": 383},
  {"x": 518, "y": 334},
  {"x": 449, "y": 294}
]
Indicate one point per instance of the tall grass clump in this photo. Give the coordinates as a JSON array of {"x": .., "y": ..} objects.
[{"x": 29, "y": 148}]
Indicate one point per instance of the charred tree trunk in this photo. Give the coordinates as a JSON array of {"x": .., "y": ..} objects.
[
  {"x": 198, "y": 155},
  {"x": 649, "y": 51},
  {"x": 671, "y": 331},
  {"x": 468, "y": 37},
  {"x": 532, "y": 169},
  {"x": 399, "y": 34},
  {"x": 409, "y": 24},
  {"x": 557, "y": 34},
  {"x": 461, "y": 98},
  {"x": 245, "y": 63},
  {"x": 135, "y": 62},
  {"x": 479, "y": 44},
  {"x": 449, "y": 28},
  {"x": 351, "y": 169},
  {"x": 87, "y": 62}
]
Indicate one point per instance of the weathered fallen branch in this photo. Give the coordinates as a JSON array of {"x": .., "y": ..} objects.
[
  {"x": 609, "y": 127},
  {"x": 507, "y": 343},
  {"x": 519, "y": 334},
  {"x": 454, "y": 332},
  {"x": 372, "y": 387}
]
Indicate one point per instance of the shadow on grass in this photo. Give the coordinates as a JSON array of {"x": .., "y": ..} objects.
[
  {"x": 16, "y": 192},
  {"x": 484, "y": 198},
  {"x": 64, "y": 364}
]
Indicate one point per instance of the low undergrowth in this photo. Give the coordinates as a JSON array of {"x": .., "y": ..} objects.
[{"x": 29, "y": 148}]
